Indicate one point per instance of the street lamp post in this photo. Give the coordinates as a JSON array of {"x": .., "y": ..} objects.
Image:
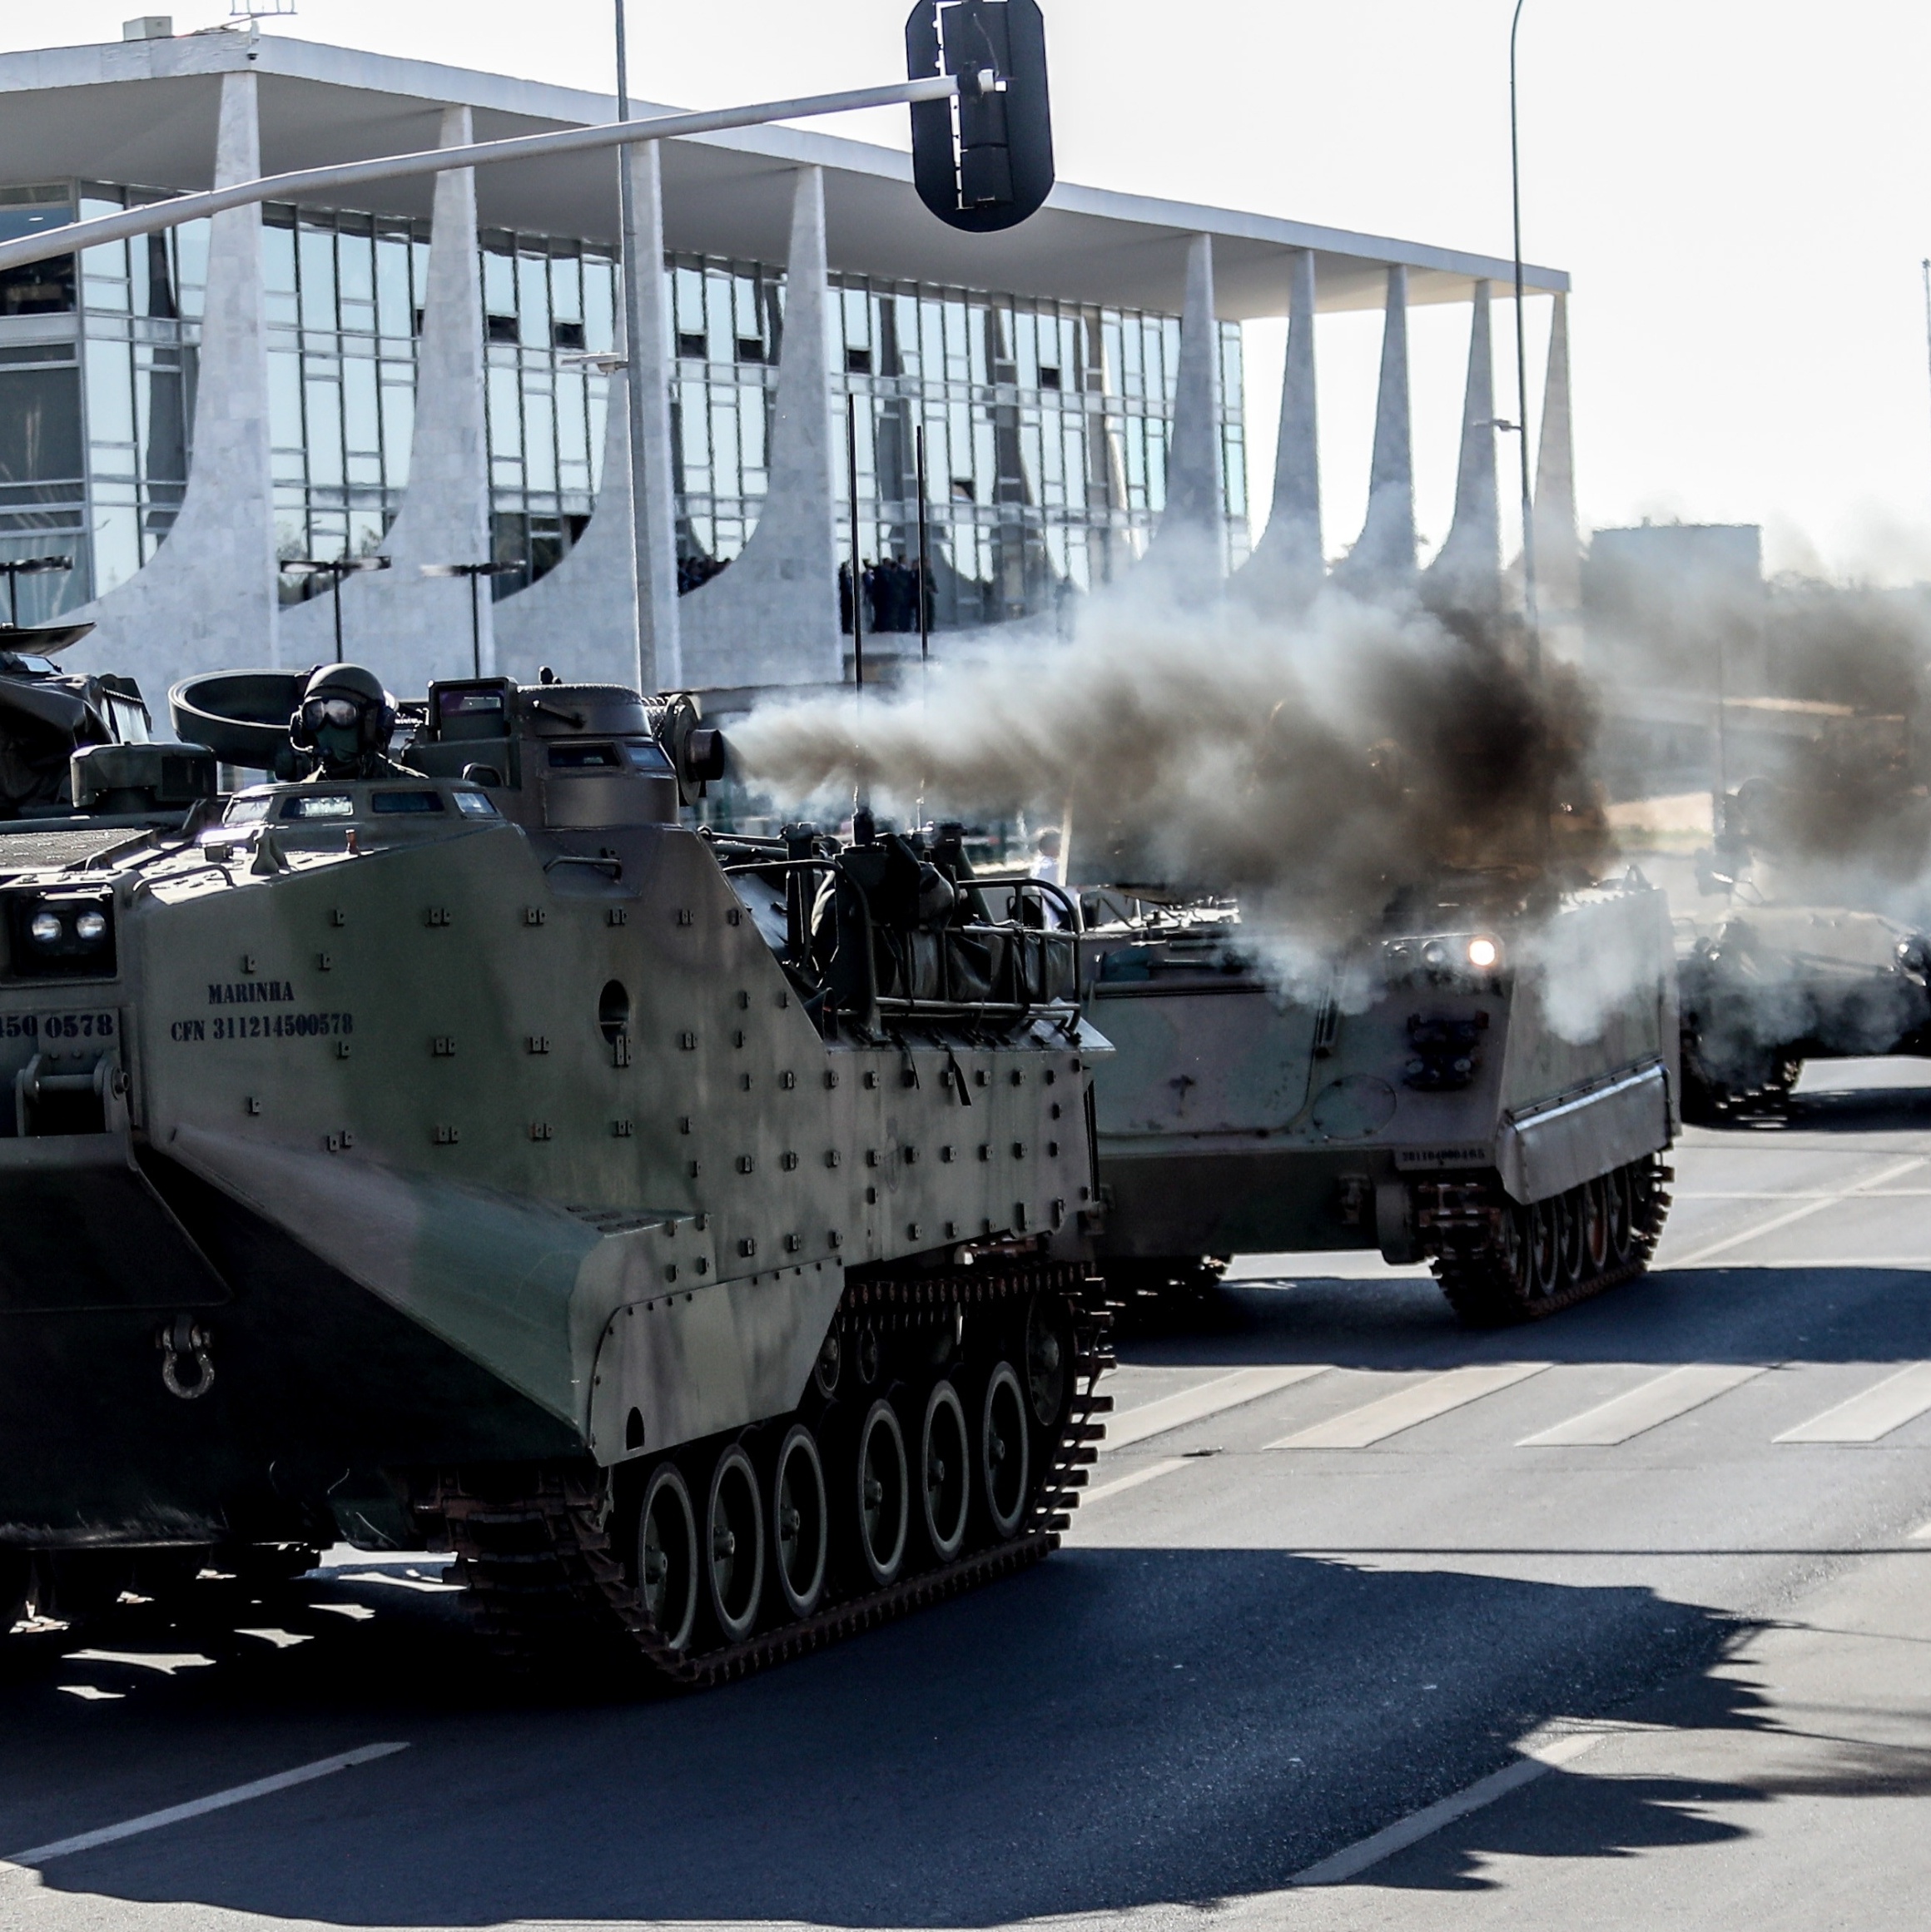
[
  {"x": 18, "y": 567},
  {"x": 1530, "y": 614},
  {"x": 634, "y": 286},
  {"x": 475, "y": 573},
  {"x": 335, "y": 569}
]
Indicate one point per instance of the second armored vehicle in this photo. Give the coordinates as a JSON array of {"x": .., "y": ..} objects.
[
  {"x": 1434, "y": 1104},
  {"x": 1794, "y": 967}
]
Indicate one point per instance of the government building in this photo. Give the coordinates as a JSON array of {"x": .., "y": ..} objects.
[{"x": 435, "y": 375}]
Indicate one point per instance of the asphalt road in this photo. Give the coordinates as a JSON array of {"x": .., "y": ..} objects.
[{"x": 1662, "y": 1665}]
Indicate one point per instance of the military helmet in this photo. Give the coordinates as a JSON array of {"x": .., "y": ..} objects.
[{"x": 344, "y": 694}]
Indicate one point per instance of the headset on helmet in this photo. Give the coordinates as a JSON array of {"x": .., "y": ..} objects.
[{"x": 353, "y": 681}]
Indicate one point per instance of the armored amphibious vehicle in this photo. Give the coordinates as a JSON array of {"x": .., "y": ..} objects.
[
  {"x": 1793, "y": 967},
  {"x": 1443, "y": 1100},
  {"x": 690, "y": 1235}
]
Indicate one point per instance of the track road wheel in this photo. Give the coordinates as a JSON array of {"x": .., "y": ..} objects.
[
  {"x": 1622, "y": 1219},
  {"x": 883, "y": 1504},
  {"x": 1567, "y": 1208},
  {"x": 1545, "y": 1251},
  {"x": 945, "y": 1460},
  {"x": 1003, "y": 1454},
  {"x": 666, "y": 1557},
  {"x": 1594, "y": 1225},
  {"x": 798, "y": 1521},
  {"x": 1048, "y": 1339},
  {"x": 734, "y": 1545}
]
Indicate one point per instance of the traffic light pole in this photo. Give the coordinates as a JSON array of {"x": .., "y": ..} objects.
[{"x": 154, "y": 216}]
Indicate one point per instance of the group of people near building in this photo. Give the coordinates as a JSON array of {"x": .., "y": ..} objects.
[{"x": 891, "y": 597}]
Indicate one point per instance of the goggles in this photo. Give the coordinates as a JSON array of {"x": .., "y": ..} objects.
[{"x": 342, "y": 713}]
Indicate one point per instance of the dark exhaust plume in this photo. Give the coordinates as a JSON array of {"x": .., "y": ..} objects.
[{"x": 1331, "y": 772}]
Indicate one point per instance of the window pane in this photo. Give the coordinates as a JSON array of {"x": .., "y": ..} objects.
[
  {"x": 540, "y": 441},
  {"x": 110, "y": 395},
  {"x": 392, "y": 302},
  {"x": 398, "y": 428},
  {"x": 533, "y": 298},
  {"x": 116, "y": 545},
  {"x": 317, "y": 249},
  {"x": 598, "y": 320},
  {"x": 358, "y": 408},
  {"x": 356, "y": 262},
  {"x": 40, "y": 425},
  {"x": 324, "y": 432}
]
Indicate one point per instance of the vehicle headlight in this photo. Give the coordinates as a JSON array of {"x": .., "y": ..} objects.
[
  {"x": 1483, "y": 953},
  {"x": 89, "y": 928},
  {"x": 44, "y": 928},
  {"x": 1435, "y": 953}
]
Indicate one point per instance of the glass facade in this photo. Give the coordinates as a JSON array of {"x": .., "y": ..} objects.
[{"x": 1045, "y": 425}]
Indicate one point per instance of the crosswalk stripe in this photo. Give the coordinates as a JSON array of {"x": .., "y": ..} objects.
[
  {"x": 1659, "y": 1400},
  {"x": 1421, "y": 1402},
  {"x": 1210, "y": 1398},
  {"x": 1871, "y": 1415}
]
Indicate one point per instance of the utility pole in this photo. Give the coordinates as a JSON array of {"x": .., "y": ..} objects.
[
  {"x": 1530, "y": 614},
  {"x": 639, "y": 283}
]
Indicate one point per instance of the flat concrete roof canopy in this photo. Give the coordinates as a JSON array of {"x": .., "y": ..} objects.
[{"x": 143, "y": 113}]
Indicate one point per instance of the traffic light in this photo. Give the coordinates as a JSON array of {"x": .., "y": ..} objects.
[{"x": 983, "y": 160}]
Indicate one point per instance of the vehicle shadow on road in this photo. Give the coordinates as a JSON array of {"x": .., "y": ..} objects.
[{"x": 1120, "y": 1728}]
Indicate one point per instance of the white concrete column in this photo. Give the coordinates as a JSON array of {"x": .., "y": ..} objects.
[
  {"x": 1558, "y": 548},
  {"x": 1190, "y": 540},
  {"x": 772, "y": 617},
  {"x": 1467, "y": 571},
  {"x": 581, "y": 617},
  {"x": 207, "y": 598},
  {"x": 1383, "y": 555},
  {"x": 407, "y": 628},
  {"x": 1286, "y": 566}
]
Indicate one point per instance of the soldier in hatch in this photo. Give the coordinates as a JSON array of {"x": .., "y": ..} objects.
[{"x": 343, "y": 725}]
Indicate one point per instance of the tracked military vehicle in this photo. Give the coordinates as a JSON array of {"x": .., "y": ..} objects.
[
  {"x": 691, "y": 1234},
  {"x": 79, "y": 762},
  {"x": 1426, "y": 1105},
  {"x": 1791, "y": 969}
]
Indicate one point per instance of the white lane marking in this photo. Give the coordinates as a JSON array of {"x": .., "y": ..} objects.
[
  {"x": 1922, "y": 1535},
  {"x": 1134, "y": 1481},
  {"x": 1871, "y": 1416},
  {"x": 393, "y": 1581},
  {"x": 198, "y": 1807},
  {"x": 1210, "y": 1398},
  {"x": 1421, "y": 1402},
  {"x": 168, "y": 1663},
  {"x": 1426, "y": 1822},
  {"x": 1660, "y": 1399},
  {"x": 1831, "y": 1263},
  {"x": 1797, "y": 1193},
  {"x": 1816, "y": 1205}
]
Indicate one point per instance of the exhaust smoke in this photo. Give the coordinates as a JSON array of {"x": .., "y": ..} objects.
[{"x": 1331, "y": 772}]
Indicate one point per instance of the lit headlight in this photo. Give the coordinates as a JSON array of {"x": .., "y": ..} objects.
[
  {"x": 1484, "y": 955},
  {"x": 55, "y": 934}
]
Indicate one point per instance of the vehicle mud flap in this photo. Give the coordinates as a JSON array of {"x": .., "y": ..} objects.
[{"x": 87, "y": 1231}]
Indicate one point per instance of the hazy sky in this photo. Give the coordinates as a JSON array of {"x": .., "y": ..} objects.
[{"x": 1734, "y": 187}]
